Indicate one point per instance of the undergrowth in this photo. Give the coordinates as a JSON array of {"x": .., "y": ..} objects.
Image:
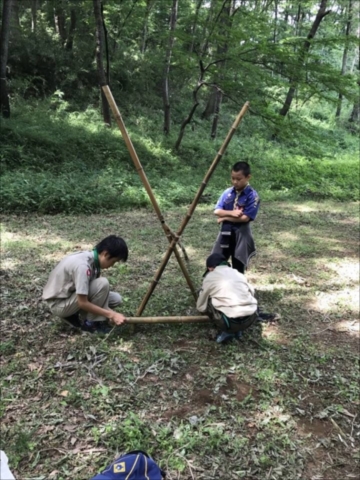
[{"x": 57, "y": 160}]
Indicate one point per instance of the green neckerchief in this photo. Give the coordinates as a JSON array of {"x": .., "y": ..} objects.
[{"x": 97, "y": 263}]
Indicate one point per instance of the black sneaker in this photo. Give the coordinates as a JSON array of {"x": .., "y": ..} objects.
[
  {"x": 95, "y": 327},
  {"x": 225, "y": 337},
  {"x": 267, "y": 317},
  {"x": 73, "y": 321}
]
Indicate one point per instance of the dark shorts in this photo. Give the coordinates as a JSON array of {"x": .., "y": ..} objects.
[{"x": 227, "y": 324}]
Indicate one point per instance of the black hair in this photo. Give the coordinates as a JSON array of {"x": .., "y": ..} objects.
[
  {"x": 243, "y": 167},
  {"x": 115, "y": 246}
]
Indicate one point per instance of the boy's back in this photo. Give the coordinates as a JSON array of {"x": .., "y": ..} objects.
[{"x": 229, "y": 292}]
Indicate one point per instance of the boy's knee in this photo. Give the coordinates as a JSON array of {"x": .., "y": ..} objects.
[
  {"x": 115, "y": 299},
  {"x": 101, "y": 284}
]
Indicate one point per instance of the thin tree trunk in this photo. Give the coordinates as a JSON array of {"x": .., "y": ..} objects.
[
  {"x": 16, "y": 14},
  {"x": 166, "y": 96},
  {"x": 275, "y": 20},
  {"x": 345, "y": 55},
  {"x": 99, "y": 59},
  {"x": 355, "y": 113},
  {"x": 34, "y": 8},
  {"x": 193, "y": 28},
  {"x": 70, "y": 37},
  {"x": 212, "y": 102},
  {"x": 59, "y": 19},
  {"x": 225, "y": 20},
  {"x": 215, "y": 122},
  {"x": 149, "y": 5},
  {"x": 4, "y": 50},
  {"x": 188, "y": 119},
  {"x": 322, "y": 12}
]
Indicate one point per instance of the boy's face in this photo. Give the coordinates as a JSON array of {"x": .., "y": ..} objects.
[
  {"x": 106, "y": 261},
  {"x": 239, "y": 180}
]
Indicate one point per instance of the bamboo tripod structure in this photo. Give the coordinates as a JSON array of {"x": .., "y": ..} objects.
[{"x": 173, "y": 238}]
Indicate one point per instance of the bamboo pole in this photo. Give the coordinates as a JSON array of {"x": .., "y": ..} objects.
[
  {"x": 139, "y": 168},
  {"x": 192, "y": 207},
  {"x": 193, "y": 319}
]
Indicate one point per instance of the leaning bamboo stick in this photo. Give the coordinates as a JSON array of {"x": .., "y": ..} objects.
[
  {"x": 192, "y": 207},
  {"x": 139, "y": 168},
  {"x": 193, "y": 319}
]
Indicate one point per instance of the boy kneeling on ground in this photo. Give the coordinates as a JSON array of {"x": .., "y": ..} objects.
[
  {"x": 76, "y": 292},
  {"x": 227, "y": 298}
]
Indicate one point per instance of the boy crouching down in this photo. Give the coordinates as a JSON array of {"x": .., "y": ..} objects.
[
  {"x": 227, "y": 298},
  {"x": 78, "y": 294}
]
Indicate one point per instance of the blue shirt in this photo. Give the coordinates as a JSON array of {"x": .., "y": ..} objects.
[{"x": 248, "y": 199}]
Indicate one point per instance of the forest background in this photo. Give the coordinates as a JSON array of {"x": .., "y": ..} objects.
[{"x": 180, "y": 72}]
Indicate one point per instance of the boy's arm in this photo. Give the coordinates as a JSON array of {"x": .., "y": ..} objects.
[
  {"x": 219, "y": 212},
  {"x": 240, "y": 219},
  {"x": 84, "y": 304},
  {"x": 202, "y": 300}
]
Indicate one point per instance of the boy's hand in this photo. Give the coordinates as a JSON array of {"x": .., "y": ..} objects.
[
  {"x": 117, "y": 318},
  {"x": 237, "y": 213}
]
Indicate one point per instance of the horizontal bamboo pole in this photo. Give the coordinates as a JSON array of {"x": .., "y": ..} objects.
[{"x": 193, "y": 319}]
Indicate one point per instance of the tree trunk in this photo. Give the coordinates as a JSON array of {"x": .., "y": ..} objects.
[
  {"x": 34, "y": 7},
  {"x": 70, "y": 37},
  {"x": 4, "y": 50},
  {"x": 355, "y": 113},
  {"x": 193, "y": 28},
  {"x": 302, "y": 53},
  {"x": 15, "y": 25},
  {"x": 210, "y": 104},
  {"x": 99, "y": 59},
  {"x": 345, "y": 55},
  {"x": 214, "y": 125},
  {"x": 149, "y": 5},
  {"x": 225, "y": 20},
  {"x": 275, "y": 20},
  {"x": 59, "y": 19},
  {"x": 188, "y": 119},
  {"x": 166, "y": 96}
]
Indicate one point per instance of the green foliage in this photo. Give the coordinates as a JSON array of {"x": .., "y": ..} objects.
[{"x": 54, "y": 160}]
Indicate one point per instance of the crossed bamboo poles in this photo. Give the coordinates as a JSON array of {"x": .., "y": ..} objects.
[{"x": 172, "y": 237}]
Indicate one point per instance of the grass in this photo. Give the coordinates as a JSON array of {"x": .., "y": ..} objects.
[
  {"x": 59, "y": 161},
  {"x": 282, "y": 404}
]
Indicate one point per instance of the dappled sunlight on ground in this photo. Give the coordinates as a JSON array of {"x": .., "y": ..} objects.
[
  {"x": 274, "y": 334},
  {"x": 350, "y": 326},
  {"x": 277, "y": 391},
  {"x": 346, "y": 270}
]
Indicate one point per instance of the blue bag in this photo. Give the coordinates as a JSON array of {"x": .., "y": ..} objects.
[{"x": 136, "y": 465}]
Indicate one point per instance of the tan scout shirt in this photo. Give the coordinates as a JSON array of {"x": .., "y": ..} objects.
[
  {"x": 73, "y": 274},
  {"x": 229, "y": 292}
]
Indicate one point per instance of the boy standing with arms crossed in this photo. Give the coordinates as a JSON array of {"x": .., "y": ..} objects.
[{"x": 236, "y": 208}]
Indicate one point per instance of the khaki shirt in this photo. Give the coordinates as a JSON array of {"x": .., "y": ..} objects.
[
  {"x": 73, "y": 274},
  {"x": 229, "y": 292}
]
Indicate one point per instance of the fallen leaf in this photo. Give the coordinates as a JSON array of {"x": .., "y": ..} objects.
[{"x": 64, "y": 393}]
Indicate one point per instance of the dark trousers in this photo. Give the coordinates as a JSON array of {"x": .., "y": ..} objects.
[
  {"x": 227, "y": 324},
  {"x": 227, "y": 252}
]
